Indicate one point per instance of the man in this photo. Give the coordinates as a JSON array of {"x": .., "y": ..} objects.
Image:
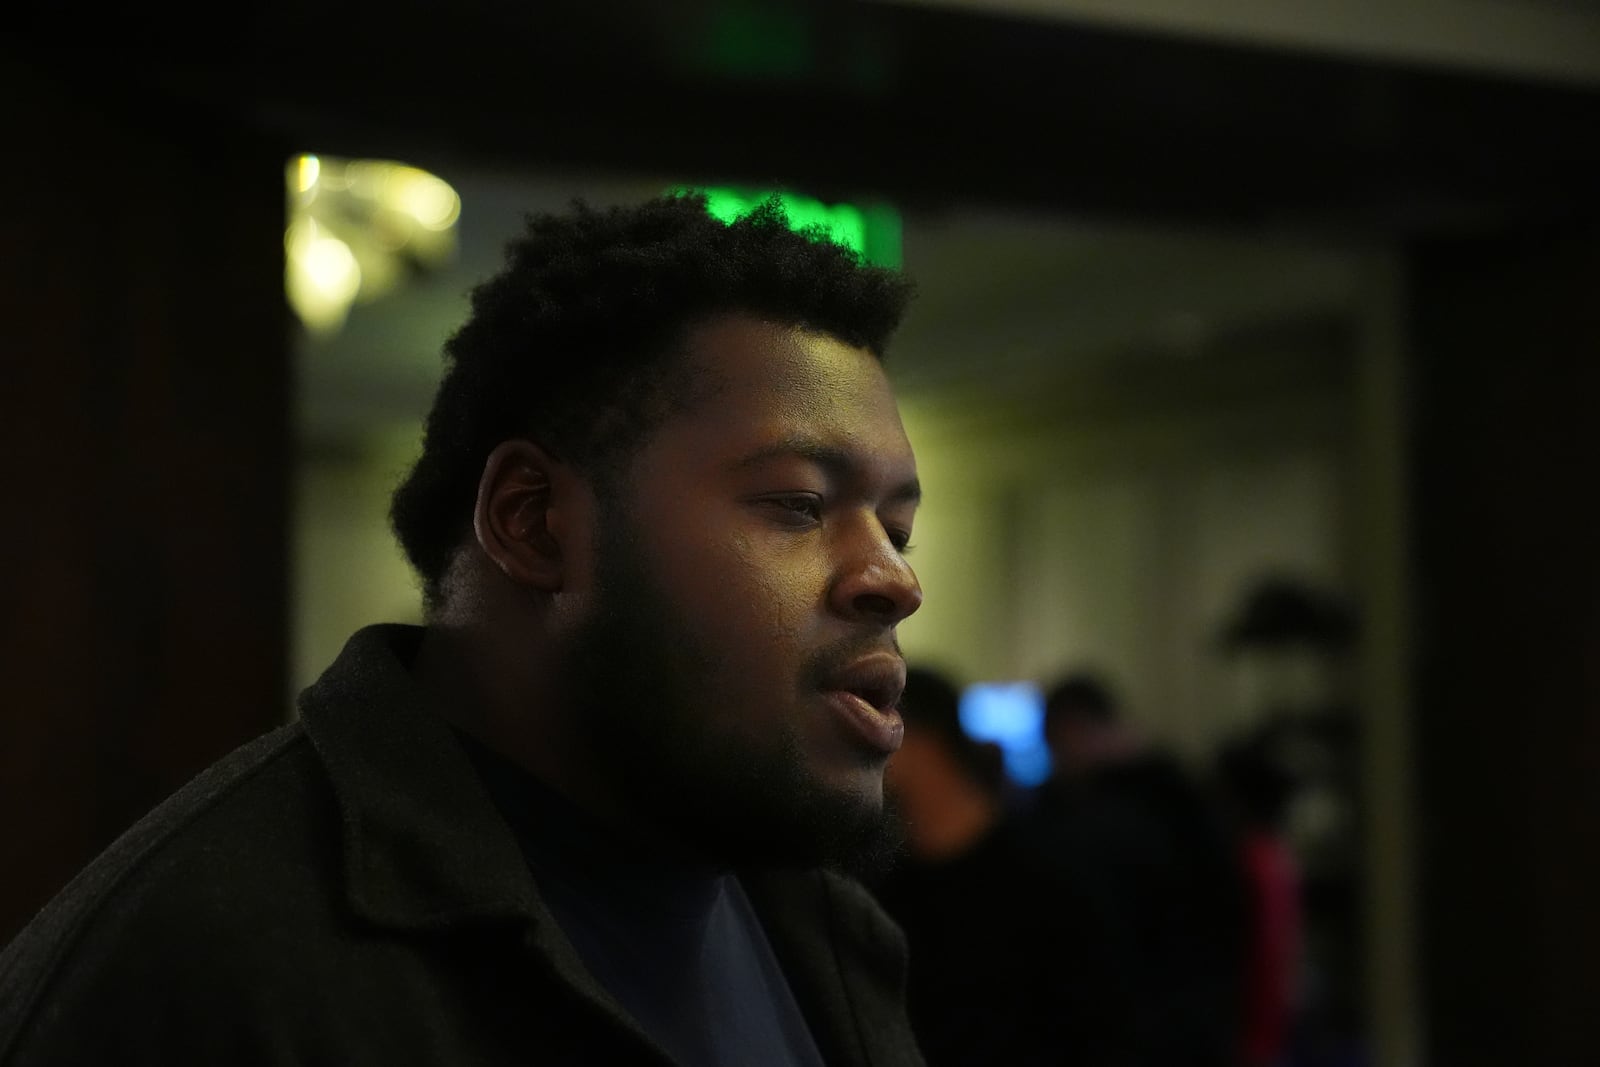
[
  {"x": 585, "y": 814},
  {"x": 1141, "y": 842}
]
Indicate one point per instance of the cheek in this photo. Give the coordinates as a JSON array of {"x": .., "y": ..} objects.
[{"x": 780, "y": 588}]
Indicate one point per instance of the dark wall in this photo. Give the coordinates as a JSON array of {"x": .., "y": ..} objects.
[
  {"x": 145, "y": 459},
  {"x": 1506, "y": 335}
]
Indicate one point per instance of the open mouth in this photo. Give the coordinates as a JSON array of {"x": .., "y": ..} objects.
[
  {"x": 878, "y": 680},
  {"x": 884, "y": 697},
  {"x": 865, "y": 695}
]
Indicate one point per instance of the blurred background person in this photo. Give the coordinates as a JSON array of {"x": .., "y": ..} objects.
[
  {"x": 1256, "y": 792},
  {"x": 1143, "y": 846},
  {"x": 1004, "y": 966},
  {"x": 1290, "y": 778}
]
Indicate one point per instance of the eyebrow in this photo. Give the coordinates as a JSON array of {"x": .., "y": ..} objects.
[{"x": 837, "y": 462}]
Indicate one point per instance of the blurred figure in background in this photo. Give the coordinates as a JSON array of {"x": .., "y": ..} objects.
[
  {"x": 1142, "y": 845},
  {"x": 1290, "y": 775},
  {"x": 1003, "y": 966},
  {"x": 1257, "y": 792}
]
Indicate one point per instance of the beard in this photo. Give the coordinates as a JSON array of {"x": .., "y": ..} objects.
[{"x": 640, "y": 672}]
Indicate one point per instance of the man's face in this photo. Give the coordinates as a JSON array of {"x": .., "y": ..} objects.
[{"x": 740, "y": 660}]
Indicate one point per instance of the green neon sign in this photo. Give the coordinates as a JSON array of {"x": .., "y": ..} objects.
[{"x": 872, "y": 231}]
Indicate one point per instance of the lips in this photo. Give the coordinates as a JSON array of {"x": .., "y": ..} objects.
[{"x": 864, "y": 695}]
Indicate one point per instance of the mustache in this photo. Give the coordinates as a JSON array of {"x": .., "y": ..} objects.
[{"x": 828, "y": 662}]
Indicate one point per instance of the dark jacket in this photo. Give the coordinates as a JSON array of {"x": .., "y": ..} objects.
[{"x": 343, "y": 891}]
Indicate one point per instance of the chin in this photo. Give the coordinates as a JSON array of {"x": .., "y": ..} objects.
[
  {"x": 782, "y": 804},
  {"x": 843, "y": 824},
  {"x": 862, "y": 792}
]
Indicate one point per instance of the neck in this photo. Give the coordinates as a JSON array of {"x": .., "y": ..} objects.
[
  {"x": 477, "y": 680},
  {"x": 490, "y": 678}
]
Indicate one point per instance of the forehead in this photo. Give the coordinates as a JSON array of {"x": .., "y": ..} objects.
[{"x": 765, "y": 384}]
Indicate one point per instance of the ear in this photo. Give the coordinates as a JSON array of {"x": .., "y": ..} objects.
[{"x": 521, "y": 487}]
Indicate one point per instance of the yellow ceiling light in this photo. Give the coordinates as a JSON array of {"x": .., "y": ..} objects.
[
  {"x": 357, "y": 229},
  {"x": 322, "y": 276},
  {"x": 425, "y": 198}
]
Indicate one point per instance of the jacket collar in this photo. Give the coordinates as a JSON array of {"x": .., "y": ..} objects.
[
  {"x": 424, "y": 847},
  {"x": 845, "y": 961}
]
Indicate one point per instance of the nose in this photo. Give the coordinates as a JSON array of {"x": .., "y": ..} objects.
[{"x": 874, "y": 582}]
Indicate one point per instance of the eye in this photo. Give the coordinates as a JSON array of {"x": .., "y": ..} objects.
[
  {"x": 795, "y": 509},
  {"x": 900, "y": 539}
]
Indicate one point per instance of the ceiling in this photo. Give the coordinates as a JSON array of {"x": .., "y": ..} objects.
[{"x": 1004, "y": 299}]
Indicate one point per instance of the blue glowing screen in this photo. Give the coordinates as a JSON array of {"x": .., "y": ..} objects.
[{"x": 1011, "y": 714}]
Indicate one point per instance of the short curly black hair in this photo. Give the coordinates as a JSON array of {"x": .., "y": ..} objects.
[{"x": 572, "y": 343}]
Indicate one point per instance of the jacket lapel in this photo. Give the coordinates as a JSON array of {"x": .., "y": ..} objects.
[
  {"x": 845, "y": 961},
  {"x": 425, "y": 850}
]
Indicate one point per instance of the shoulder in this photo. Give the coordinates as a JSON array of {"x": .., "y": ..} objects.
[{"x": 182, "y": 907}]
